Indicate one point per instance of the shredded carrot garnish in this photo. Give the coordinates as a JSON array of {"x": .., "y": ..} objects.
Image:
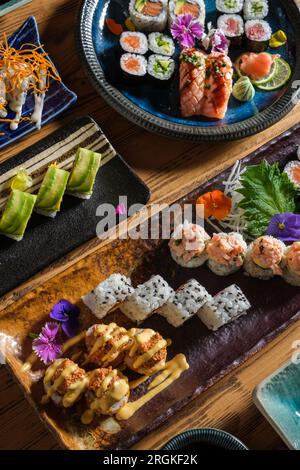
[{"x": 215, "y": 204}]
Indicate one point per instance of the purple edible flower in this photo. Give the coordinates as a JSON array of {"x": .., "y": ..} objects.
[
  {"x": 219, "y": 42},
  {"x": 285, "y": 227},
  {"x": 121, "y": 209},
  {"x": 67, "y": 314},
  {"x": 186, "y": 30},
  {"x": 47, "y": 345}
]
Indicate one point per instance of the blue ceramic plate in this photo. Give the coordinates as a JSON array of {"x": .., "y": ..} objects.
[
  {"x": 204, "y": 439},
  {"x": 157, "y": 108},
  {"x": 57, "y": 99},
  {"x": 278, "y": 399}
]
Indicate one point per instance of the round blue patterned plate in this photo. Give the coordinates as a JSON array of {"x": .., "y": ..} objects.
[{"x": 156, "y": 108}]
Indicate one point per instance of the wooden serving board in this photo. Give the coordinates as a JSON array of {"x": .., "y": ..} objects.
[{"x": 211, "y": 355}]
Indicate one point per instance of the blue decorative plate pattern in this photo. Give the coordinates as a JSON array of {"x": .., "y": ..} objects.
[
  {"x": 204, "y": 439},
  {"x": 278, "y": 398},
  {"x": 57, "y": 99},
  {"x": 156, "y": 107}
]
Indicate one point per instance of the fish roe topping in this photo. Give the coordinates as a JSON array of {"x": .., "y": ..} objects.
[
  {"x": 267, "y": 252},
  {"x": 227, "y": 249},
  {"x": 293, "y": 258}
]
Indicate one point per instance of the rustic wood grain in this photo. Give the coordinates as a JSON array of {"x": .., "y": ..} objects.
[{"x": 171, "y": 169}]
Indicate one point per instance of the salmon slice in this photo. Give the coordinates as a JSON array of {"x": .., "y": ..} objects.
[
  {"x": 132, "y": 41},
  {"x": 191, "y": 81},
  {"x": 189, "y": 9},
  {"x": 132, "y": 64},
  {"x": 255, "y": 66},
  {"x": 152, "y": 8},
  {"x": 218, "y": 86}
]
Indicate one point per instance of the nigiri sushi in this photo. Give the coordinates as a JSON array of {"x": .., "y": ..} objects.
[{"x": 191, "y": 81}]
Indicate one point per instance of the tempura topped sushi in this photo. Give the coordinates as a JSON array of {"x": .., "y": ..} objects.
[
  {"x": 264, "y": 258},
  {"x": 188, "y": 245},
  {"x": 148, "y": 352},
  {"x": 226, "y": 253},
  {"x": 292, "y": 264}
]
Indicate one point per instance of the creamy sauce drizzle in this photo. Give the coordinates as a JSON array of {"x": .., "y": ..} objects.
[
  {"x": 172, "y": 372},
  {"x": 107, "y": 333},
  {"x": 141, "y": 337}
]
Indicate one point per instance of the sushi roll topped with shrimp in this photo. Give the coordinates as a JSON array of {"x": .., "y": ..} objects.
[
  {"x": 188, "y": 245},
  {"x": 264, "y": 258},
  {"x": 107, "y": 392},
  {"x": 226, "y": 253},
  {"x": 292, "y": 265},
  {"x": 148, "y": 352}
]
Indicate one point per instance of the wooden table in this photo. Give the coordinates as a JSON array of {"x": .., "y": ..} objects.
[{"x": 171, "y": 169}]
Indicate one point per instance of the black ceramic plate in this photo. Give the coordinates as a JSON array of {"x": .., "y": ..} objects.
[
  {"x": 47, "y": 240},
  {"x": 204, "y": 439},
  {"x": 157, "y": 108}
]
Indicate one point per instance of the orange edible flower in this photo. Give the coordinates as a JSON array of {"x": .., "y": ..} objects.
[
  {"x": 114, "y": 27},
  {"x": 216, "y": 204}
]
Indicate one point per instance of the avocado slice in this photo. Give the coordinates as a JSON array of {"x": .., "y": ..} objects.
[
  {"x": 178, "y": 7},
  {"x": 139, "y": 5},
  {"x": 84, "y": 172},
  {"x": 52, "y": 190},
  {"x": 17, "y": 213}
]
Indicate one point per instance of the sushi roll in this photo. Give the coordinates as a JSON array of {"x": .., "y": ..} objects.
[
  {"x": 188, "y": 299},
  {"x": 147, "y": 298},
  {"x": 161, "y": 44},
  {"x": 148, "y": 352},
  {"x": 188, "y": 245},
  {"x": 134, "y": 42},
  {"x": 51, "y": 192},
  {"x": 160, "y": 67},
  {"x": 233, "y": 28},
  {"x": 106, "y": 344},
  {"x": 64, "y": 383},
  {"x": 108, "y": 294},
  {"x": 83, "y": 174},
  {"x": 233, "y": 7},
  {"x": 226, "y": 253},
  {"x": 292, "y": 169},
  {"x": 258, "y": 34},
  {"x": 149, "y": 15},
  {"x": 291, "y": 271},
  {"x": 225, "y": 307},
  {"x": 264, "y": 258},
  {"x": 133, "y": 66},
  {"x": 16, "y": 214},
  {"x": 107, "y": 392},
  {"x": 256, "y": 9},
  {"x": 196, "y": 8}
]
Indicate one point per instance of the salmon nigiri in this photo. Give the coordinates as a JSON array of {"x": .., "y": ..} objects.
[{"x": 191, "y": 81}]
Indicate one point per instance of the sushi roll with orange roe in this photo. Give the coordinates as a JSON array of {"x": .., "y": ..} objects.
[
  {"x": 291, "y": 271},
  {"x": 226, "y": 253},
  {"x": 265, "y": 258}
]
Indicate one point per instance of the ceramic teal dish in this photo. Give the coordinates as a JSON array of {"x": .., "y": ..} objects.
[
  {"x": 278, "y": 399},
  {"x": 204, "y": 439},
  {"x": 156, "y": 108}
]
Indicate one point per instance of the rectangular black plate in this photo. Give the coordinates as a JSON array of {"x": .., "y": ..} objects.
[{"x": 47, "y": 240}]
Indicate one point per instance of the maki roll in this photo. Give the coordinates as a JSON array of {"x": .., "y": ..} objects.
[
  {"x": 16, "y": 215},
  {"x": 264, "y": 258},
  {"x": 134, "y": 42},
  {"x": 256, "y": 9},
  {"x": 229, "y": 6},
  {"x": 149, "y": 15},
  {"x": 189, "y": 298},
  {"x": 108, "y": 295},
  {"x": 160, "y": 67},
  {"x": 195, "y": 8},
  {"x": 292, "y": 169},
  {"x": 147, "y": 298},
  {"x": 291, "y": 271},
  {"x": 51, "y": 192},
  {"x": 133, "y": 66},
  {"x": 226, "y": 253},
  {"x": 224, "y": 308},
  {"x": 188, "y": 245},
  {"x": 233, "y": 28},
  {"x": 258, "y": 35},
  {"x": 148, "y": 352},
  {"x": 161, "y": 44},
  {"x": 83, "y": 174}
]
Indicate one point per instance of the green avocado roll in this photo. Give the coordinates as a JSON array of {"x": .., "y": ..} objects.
[
  {"x": 51, "y": 192},
  {"x": 83, "y": 174},
  {"x": 17, "y": 213}
]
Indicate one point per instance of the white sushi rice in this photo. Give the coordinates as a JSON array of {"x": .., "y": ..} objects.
[
  {"x": 161, "y": 44},
  {"x": 254, "y": 270},
  {"x": 108, "y": 294},
  {"x": 227, "y": 269},
  {"x": 155, "y": 70},
  {"x": 256, "y": 9},
  {"x": 172, "y": 8},
  {"x": 195, "y": 262},
  {"x": 290, "y": 167},
  {"x": 222, "y": 24},
  {"x": 232, "y": 6},
  {"x": 189, "y": 298},
  {"x": 253, "y": 37},
  {"x": 225, "y": 307},
  {"x": 149, "y": 23},
  {"x": 142, "y": 39},
  {"x": 142, "y": 64},
  {"x": 147, "y": 298}
]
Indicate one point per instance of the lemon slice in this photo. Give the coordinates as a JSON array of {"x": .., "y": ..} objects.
[
  {"x": 280, "y": 77},
  {"x": 21, "y": 181},
  {"x": 278, "y": 39}
]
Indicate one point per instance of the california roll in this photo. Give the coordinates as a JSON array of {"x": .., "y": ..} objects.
[
  {"x": 264, "y": 258},
  {"x": 226, "y": 253},
  {"x": 258, "y": 34},
  {"x": 160, "y": 67},
  {"x": 149, "y": 15},
  {"x": 291, "y": 271},
  {"x": 134, "y": 42},
  {"x": 256, "y": 9},
  {"x": 161, "y": 44},
  {"x": 188, "y": 245}
]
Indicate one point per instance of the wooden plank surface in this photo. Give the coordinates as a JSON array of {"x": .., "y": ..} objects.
[{"x": 171, "y": 169}]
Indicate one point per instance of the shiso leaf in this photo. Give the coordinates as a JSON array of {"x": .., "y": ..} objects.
[{"x": 266, "y": 191}]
